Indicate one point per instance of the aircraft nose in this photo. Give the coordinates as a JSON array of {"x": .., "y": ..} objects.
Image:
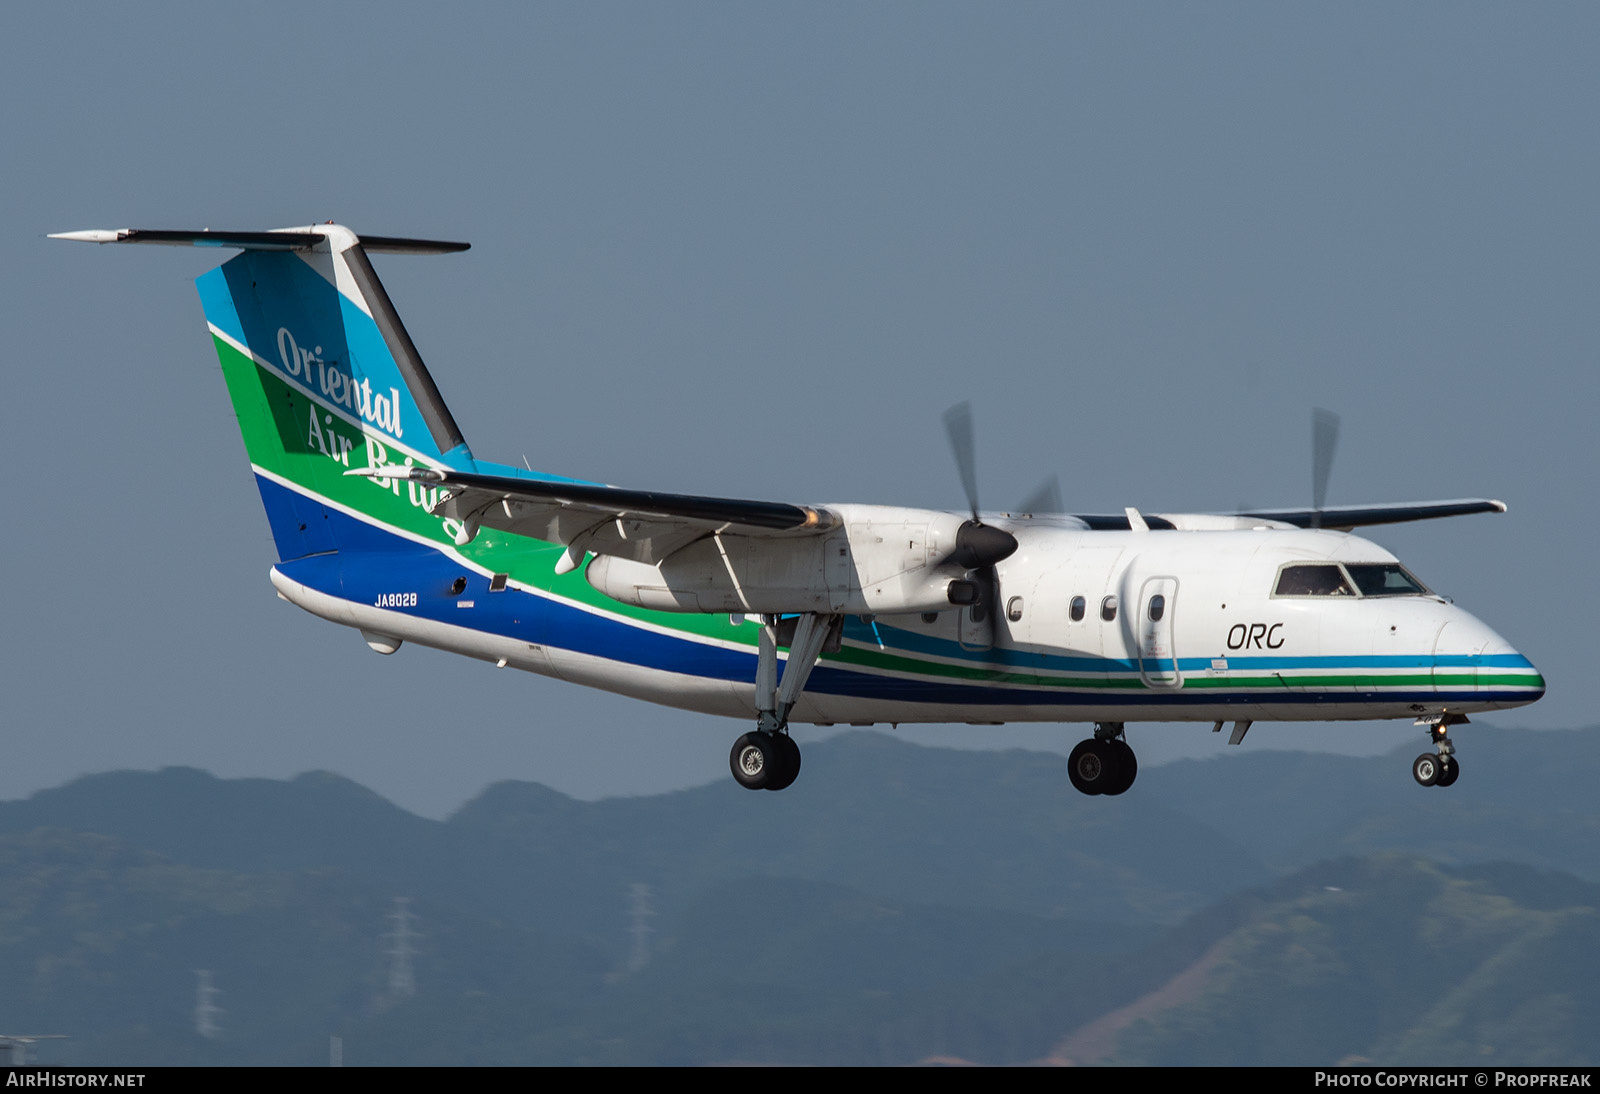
[
  {"x": 1469, "y": 655},
  {"x": 1505, "y": 671}
]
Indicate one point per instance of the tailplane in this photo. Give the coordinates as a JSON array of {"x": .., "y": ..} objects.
[{"x": 324, "y": 378}]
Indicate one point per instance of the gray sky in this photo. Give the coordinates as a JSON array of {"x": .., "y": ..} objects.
[{"x": 756, "y": 250}]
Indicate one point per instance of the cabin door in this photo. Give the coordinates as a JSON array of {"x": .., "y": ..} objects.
[{"x": 1158, "y": 659}]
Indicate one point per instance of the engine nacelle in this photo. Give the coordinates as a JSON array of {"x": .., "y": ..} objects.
[{"x": 880, "y": 560}]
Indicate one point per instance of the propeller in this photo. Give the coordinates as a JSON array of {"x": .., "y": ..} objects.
[
  {"x": 1046, "y": 498},
  {"x": 979, "y": 546},
  {"x": 1324, "y": 441},
  {"x": 958, "y": 427}
]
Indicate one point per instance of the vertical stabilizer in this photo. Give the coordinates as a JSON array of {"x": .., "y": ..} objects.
[{"x": 324, "y": 378}]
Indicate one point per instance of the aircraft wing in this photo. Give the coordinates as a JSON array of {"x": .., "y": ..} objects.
[
  {"x": 1338, "y": 518},
  {"x": 642, "y": 525},
  {"x": 1345, "y": 517}
]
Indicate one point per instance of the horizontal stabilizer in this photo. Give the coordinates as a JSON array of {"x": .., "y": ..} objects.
[
  {"x": 287, "y": 239},
  {"x": 1344, "y": 517}
]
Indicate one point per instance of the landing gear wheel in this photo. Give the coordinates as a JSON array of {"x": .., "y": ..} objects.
[
  {"x": 790, "y": 762},
  {"x": 1094, "y": 768},
  {"x": 1126, "y": 765},
  {"x": 756, "y": 761},
  {"x": 1426, "y": 769},
  {"x": 1439, "y": 768}
]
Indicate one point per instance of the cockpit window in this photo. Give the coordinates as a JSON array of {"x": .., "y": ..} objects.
[
  {"x": 1384, "y": 579},
  {"x": 1313, "y": 579}
]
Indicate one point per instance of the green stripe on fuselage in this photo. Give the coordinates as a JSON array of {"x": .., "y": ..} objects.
[
  {"x": 280, "y": 437},
  {"x": 290, "y": 435}
]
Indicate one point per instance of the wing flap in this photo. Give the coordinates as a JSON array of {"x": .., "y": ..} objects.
[
  {"x": 714, "y": 514},
  {"x": 641, "y": 525}
]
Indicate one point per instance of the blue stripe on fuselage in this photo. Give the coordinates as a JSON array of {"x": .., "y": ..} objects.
[
  {"x": 372, "y": 564},
  {"x": 911, "y": 641}
]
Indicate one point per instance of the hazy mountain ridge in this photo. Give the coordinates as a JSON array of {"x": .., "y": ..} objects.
[
  {"x": 1522, "y": 797},
  {"x": 1394, "y": 959},
  {"x": 844, "y": 823},
  {"x": 969, "y": 905}
]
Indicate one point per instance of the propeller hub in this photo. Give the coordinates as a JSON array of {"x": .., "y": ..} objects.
[{"x": 979, "y": 545}]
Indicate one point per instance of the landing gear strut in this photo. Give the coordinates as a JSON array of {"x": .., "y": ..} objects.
[
  {"x": 1103, "y": 764},
  {"x": 1438, "y": 768},
  {"x": 767, "y": 758}
]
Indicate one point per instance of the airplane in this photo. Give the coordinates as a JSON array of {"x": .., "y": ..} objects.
[{"x": 386, "y": 522}]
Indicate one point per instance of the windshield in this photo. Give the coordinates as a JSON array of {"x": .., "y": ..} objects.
[
  {"x": 1351, "y": 579},
  {"x": 1384, "y": 579},
  {"x": 1313, "y": 580}
]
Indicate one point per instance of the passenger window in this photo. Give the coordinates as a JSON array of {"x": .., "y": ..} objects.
[
  {"x": 1108, "y": 609},
  {"x": 1075, "y": 612},
  {"x": 1313, "y": 580},
  {"x": 1014, "y": 609},
  {"x": 1158, "y": 607}
]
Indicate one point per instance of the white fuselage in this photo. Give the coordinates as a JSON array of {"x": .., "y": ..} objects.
[{"x": 1224, "y": 644}]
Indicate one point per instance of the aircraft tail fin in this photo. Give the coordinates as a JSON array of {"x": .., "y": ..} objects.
[{"x": 323, "y": 377}]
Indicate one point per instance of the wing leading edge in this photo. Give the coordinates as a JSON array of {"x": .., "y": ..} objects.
[
  {"x": 1336, "y": 518},
  {"x": 643, "y": 525},
  {"x": 1344, "y": 517},
  {"x": 648, "y": 526}
]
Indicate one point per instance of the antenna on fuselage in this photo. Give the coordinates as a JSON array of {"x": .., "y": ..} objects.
[{"x": 1324, "y": 442}]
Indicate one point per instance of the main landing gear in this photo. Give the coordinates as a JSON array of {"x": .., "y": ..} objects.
[
  {"x": 765, "y": 761},
  {"x": 1103, "y": 764},
  {"x": 1438, "y": 768},
  {"x": 767, "y": 757}
]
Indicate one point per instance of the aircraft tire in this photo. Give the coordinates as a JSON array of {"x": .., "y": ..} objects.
[
  {"x": 1449, "y": 771},
  {"x": 789, "y": 753},
  {"x": 1426, "y": 769},
  {"x": 755, "y": 761},
  {"x": 1092, "y": 767},
  {"x": 1126, "y": 767}
]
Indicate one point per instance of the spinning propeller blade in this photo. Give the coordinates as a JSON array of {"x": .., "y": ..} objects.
[
  {"x": 958, "y": 427},
  {"x": 1046, "y": 498},
  {"x": 1324, "y": 441},
  {"x": 979, "y": 547}
]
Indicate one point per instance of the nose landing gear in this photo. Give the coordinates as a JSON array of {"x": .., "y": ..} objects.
[
  {"x": 1103, "y": 764},
  {"x": 1438, "y": 768}
]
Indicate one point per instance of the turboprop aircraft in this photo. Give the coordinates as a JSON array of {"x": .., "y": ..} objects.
[{"x": 385, "y": 521}]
